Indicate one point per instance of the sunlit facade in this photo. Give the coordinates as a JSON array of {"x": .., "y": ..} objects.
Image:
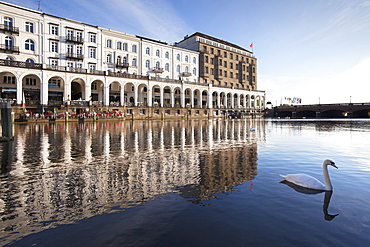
[{"x": 47, "y": 60}]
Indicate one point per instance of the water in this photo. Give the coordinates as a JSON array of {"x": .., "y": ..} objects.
[{"x": 184, "y": 183}]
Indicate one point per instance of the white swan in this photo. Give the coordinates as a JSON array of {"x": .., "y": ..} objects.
[{"x": 310, "y": 182}]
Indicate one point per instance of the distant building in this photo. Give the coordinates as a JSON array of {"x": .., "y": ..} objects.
[{"x": 47, "y": 60}]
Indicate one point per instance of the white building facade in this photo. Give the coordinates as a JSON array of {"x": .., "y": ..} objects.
[{"x": 50, "y": 61}]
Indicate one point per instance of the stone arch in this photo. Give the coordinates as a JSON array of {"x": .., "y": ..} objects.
[
  {"x": 56, "y": 96},
  {"x": 8, "y": 83},
  {"x": 215, "y": 100},
  {"x": 204, "y": 99},
  {"x": 197, "y": 98},
  {"x": 78, "y": 89},
  {"x": 114, "y": 93},
  {"x": 129, "y": 94},
  {"x": 31, "y": 89},
  {"x": 142, "y": 90},
  {"x": 97, "y": 92},
  {"x": 166, "y": 96},
  {"x": 229, "y": 100},
  {"x": 156, "y": 95},
  {"x": 188, "y": 94}
]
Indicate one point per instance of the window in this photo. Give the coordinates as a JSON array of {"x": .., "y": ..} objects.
[
  {"x": 167, "y": 55},
  {"x": 70, "y": 64},
  {"x": 54, "y": 46},
  {"x": 206, "y": 59},
  {"x": 79, "y": 50},
  {"x": 225, "y": 54},
  {"x": 29, "y": 60},
  {"x": 54, "y": 30},
  {"x": 109, "y": 58},
  {"x": 134, "y": 62},
  {"x": 225, "y": 73},
  {"x": 231, "y": 65},
  {"x": 231, "y": 56},
  {"x": 93, "y": 37},
  {"x": 157, "y": 53},
  {"x": 167, "y": 67},
  {"x": 134, "y": 48},
  {"x": 79, "y": 35},
  {"x": 212, "y": 71},
  {"x": 8, "y": 41},
  {"x": 69, "y": 49},
  {"x": 186, "y": 59},
  {"x": 124, "y": 46},
  {"x": 212, "y": 60},
  {"x": 31, "y": 81},
  {"x": 236, "y": 57},
  {"x": 211, "y": 50},
  {"x": 94, "y": 86},
  {"x": 147, "y": 64},
  {"x": 157, "y": 65},
  {"x": 79, "y": 65},
  {"x": 29, "y": 27},
  {"x": 92, "y": 52},
  {"x": 29, "y": 45},
  {"x": 54, "y": 62},
  {"x": 70, "y": 34},
  {"x": 225, "y": 64},
  {"x": 206, "y": 70},
  {"x": 124, "y": 60},
  {"x": 178, "y": 57},
  {"x": 119, "y": 45},
  {"x": 109, "y": 43},
  {"x": 8, "y": 21},
  {"x": 147, "y": 51},
  {"x": 231, "y": 75},
  {"x": 194, "y": 71},
  {"x": 186, "y": 69},
  {"x": 9, "y": 79},
  {"x": 178, "y": 69},
  {"x": 194, "y": 60},
  {"x": 92, "y": 67}
]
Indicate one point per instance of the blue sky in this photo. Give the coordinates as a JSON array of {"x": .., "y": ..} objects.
[{"x": 310, "y": 49}]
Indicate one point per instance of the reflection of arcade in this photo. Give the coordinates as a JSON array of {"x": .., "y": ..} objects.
[
  {"x": 223, "y": 170},
  {"x": 65, "y": 173}
]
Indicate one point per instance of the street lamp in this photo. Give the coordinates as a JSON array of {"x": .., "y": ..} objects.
[{"x": 350, "y": 99}]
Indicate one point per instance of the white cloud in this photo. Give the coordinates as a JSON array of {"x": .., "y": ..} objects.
[{"x": 353, "y": 83}]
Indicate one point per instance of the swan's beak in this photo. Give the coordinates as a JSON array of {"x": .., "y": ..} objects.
[{"x": 333, "y": 164}]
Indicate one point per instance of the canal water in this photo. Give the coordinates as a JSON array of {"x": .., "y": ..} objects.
[{"x": 184, "y": 183}]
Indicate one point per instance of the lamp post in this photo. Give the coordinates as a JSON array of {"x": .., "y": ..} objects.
[{"x": 350, "y": 99}]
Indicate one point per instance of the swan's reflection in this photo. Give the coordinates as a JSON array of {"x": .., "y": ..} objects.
[{"x": 327, "y": 198}]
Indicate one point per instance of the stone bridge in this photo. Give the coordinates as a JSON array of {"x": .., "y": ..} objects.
[{"x": 344, "y": 110}]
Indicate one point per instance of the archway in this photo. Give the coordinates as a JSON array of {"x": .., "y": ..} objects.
[
  {"x": 31, "y": 90},
  {"x": 56, "y": 91},
  {"x": 8, "y": 86},
  {"x": 114, "y": 94}
]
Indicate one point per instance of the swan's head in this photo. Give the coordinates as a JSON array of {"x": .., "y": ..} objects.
[{"x": 330, "y": 163}]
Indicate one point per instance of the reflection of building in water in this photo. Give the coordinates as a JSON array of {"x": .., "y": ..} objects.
[{"x": 64, "y": 173}]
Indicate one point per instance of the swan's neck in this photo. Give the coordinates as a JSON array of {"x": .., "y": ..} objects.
[{"x": 325, "y": 172}]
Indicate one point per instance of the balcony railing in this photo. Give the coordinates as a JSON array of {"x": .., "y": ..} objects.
[
  {"x": 74, "y": 39},
  {"x": 20, "y": 64},
  {"x": 124, "y": 75},
  {"x": 9, "y": 48},
  {"x": 158, "y": 70},
  {"x": 186, "y": 74},
  {"x": 122, "y": 65},
  {"x": 9, "y": 28},
  {"x": 74, "y": 56}
]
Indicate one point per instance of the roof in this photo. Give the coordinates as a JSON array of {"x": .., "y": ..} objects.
[{"x": 215, "y": 39}]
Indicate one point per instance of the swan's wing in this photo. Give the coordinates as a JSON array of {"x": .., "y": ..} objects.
[{"x": 305, "y": 180}]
